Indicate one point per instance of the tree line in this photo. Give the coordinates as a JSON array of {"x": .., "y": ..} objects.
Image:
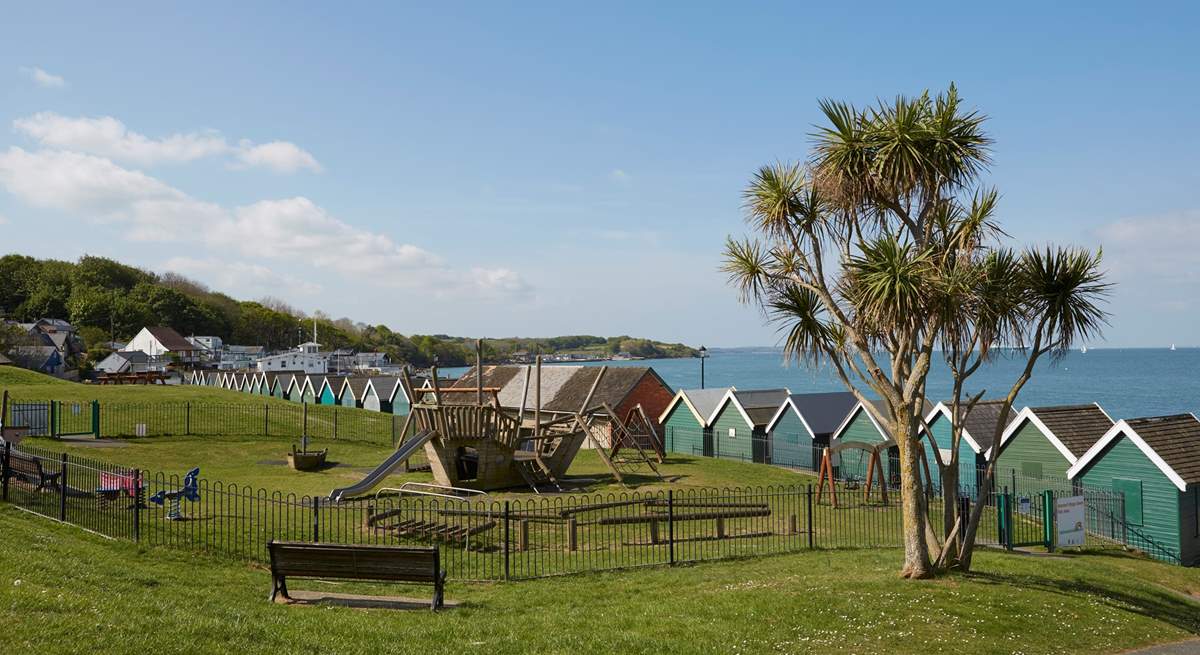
[{"x": 110, "y": 301}]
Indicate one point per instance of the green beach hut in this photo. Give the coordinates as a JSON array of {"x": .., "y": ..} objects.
[
  {"x": 331, "y": 389},
  {"x": 685, "y": 420},
  {"x": 377, "y": 395},
  {"x": 1155, "y": 464},
  {"x": 283, "y": 385},
  {"x": 1043, "y": 443},
  {"x": 858, "y": 426},
  {"x": 739, "y": 423},
  {"x": 398, "y": 400},
  {"x": 352, "y": 391},
  {"x": 804, "y": 424},
  {"x": 979, "y": 430},
  {"x": 310, "y": 386}
]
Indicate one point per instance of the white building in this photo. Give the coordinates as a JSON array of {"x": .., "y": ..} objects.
[
  {"x": 164, "y": 342},
  {"x": 211, "y": 344},
  {"x": 307, "y": 357}
]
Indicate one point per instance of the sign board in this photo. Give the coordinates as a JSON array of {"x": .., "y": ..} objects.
[
  {"x": 1023, "y": 504},
  {"x": 1069, "y": 517}
]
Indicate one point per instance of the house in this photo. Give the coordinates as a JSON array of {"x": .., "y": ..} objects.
[
  {"x": 1043, "y": 443},
  {"x": 353, "y": 389},
  {"x": 739, "y": 423},
  {"x": 979, "y": 430},
  {"x": 307, "y": 358},
  {"x": 861, "y": 426},
  {"x": 331, "y": 389},
  {"x": 43, "y": 359},
  {"x": 165, "y": 343},
  {"x": 685, "y": 420},
  {"x": 565, "y": 388},
  {"x": 377, "y": 396},
  {"x": 1155, "y": 464},
  {"x": 369, "y": 360},
  {"x": 128, "y": 361},
  {"x": 804, "y": 424},
  {"x": 211, "y": 345},
  {"x": 239, "y": 357}
]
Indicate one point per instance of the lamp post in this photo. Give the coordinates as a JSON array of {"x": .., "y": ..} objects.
[{"x": 703, "y": 356}]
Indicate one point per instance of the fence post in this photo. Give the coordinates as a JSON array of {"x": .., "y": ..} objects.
[
  {"x": 187, "y": 418},
  {"x": 54, "y": 418},
  {"x": 4, "y": 470},
  {"x": 316, "y": 519},
  {"x": 1048, "y": 517},
  {"x": 809, "y": 516},
  {"x": 393, "y": 430},
  {"x": 964, "y": 513},
  {"x": 304, "y": 429},
  {"x": 1006, "y": 519},
  {"x": 506, "y": 547},
  {"x": 671, "y": 523},
  {"x": 96, "y": 419},
  {"x": 266, "y": 419},
  {"x": 62, "y": 491},
  {"x": 137, "y": 505},
  {"x": 335, "y": 413}
]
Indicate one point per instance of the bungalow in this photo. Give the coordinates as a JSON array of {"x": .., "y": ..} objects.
[
  {"x": 129, "y": 361},
  {"x": 685, "y": 420},
  {"x": 1042, "y": 443},
  {"x": 739, "y": 423},
  {"x": 377, "y": 394},
  {"x": 803, "y": 425},
  {"x": 1155, "y": 464},
  {"x": 331, "y": 389},
  {"x": 43, "y": 359},
  {"x": 162, "y": 341},
  {"x": 352, "y": 391},
  {"x": 974, "y": 449}
]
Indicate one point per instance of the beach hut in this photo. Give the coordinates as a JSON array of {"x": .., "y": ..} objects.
[
  {"x": 685, "y": 420},
  {"x": 1042, "y": 443},
  {"x": 804, "y": 424},
  {"x": 295, "y": 388},
  {"x": 398, "y": 401},
  {"x": 249, "y": 382},
  {"x": 331, "y": 389},
  {"x": 283, "y": 385},
  {"x": 377, "y": 395},
  {"x": 352, "y": 391},
  {"x": 860, "y": 426},
  {"x": 979, "y": 429},
  {"x": 266, "y": 383},
  {"x": 310, "y": 387},
  {"x": 1155, "y": 464},
  {"x": 739, "y": 423}
]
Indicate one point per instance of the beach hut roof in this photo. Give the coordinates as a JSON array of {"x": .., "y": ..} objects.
[
  {"x": 1072, "y": 429},
  {"x": 334, "y": 382},
  {"x": 757, "y": 406},
  {"x": 821, "y": 413},
  {"x": 564, "y": 388},
  {"x": 701, "y": 402},
  {"x": 979, "y": 427},
  {"x": 356, "y": 385},
  {"x": 1172, "y": 443},
  {"x": 381, "y": 386}
]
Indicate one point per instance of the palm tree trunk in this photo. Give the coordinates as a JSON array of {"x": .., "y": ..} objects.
[
  {"x": 949, "y": 505},
  {"x": 914, "y": 509}
]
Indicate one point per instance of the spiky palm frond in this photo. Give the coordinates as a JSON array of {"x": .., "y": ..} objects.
[
  {"x": 890, "y": 283},
  {"x": 749, "y": 268},
  {"x": 800, "y": 313},
  {"x": 1064, "y": 288}
]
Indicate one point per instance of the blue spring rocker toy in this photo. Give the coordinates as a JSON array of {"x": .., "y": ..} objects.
[{"x": 190, "y": 491}]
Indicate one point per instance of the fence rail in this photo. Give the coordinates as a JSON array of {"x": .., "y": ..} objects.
[
  {"x": 493, "y": 539},
  {"x": 54, "y": 418}
]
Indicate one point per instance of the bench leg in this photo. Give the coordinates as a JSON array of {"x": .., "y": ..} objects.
[
  {"x": 279, "y": 587},
  {"x": 439, "y": 592}
]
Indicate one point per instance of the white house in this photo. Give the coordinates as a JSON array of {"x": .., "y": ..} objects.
[
  {"x": 307, "y": 358},
  {"x": 164, "y": 342},
  {"x": 132, "y": 361}
]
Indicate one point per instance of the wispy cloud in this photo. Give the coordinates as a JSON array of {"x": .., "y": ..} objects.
[
  {"x": 293, "y": 230},
  {"x": 108, "y": 137},
  {"x": 619, "y": 175},
  {"x": 42, "y": 78},
  {"x": 247, "y": 279}
]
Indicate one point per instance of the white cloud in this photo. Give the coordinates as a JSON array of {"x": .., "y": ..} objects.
[
  {"x": 294, "y": 230},
  {"x": 1165, "y": 246},
  {"x": 108, "y": 137},
  {"x": 279, "y": 156},
  {"x": 42, "y": 78},
  {"x": 244, "y": 279},
  {"x": 619, "y": 175}
]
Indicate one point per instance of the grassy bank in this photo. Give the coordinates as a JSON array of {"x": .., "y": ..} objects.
[{"x": 59, "y": 586}]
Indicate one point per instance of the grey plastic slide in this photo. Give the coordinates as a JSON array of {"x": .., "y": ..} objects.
[{"x": 376, "y": 477}]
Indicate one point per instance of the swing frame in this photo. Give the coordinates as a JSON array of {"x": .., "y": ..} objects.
[{"x": 874, "y": 464}]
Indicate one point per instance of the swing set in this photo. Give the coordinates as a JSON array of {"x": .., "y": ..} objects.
[{"x": 874, "y": 467}]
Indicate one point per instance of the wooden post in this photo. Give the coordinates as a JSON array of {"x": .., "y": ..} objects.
[
  {"x": 720, "y": 527},
  {"x": 479, "y": 372},
  {"x": 4, "y": 469},
  {"x": 537, "y": 400},
  {"x": 572, "y": 534},
  {"x": 62, "y": 487},
  {"x": 793, "y": 525},
  {"x": 523, "y": 535},
  {"x": 654, "y": 532}
]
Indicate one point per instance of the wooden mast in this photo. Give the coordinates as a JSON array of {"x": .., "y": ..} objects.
[{"x": 479, "y": 372}]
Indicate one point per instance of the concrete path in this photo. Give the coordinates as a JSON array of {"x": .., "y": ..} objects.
[{"x": 1186, "y": 647}]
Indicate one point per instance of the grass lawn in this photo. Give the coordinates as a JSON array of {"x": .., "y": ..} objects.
[
  {"x": 62, "y": 589},
  {"x": 262, "y": 462}
]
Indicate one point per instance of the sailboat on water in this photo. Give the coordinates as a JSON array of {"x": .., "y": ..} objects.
[
  {"x": 1083, "y": 350},
  {"x": 1172, "y": 346}
]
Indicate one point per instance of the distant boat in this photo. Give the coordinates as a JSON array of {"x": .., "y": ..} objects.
[
  {"x": 1172, "y": 346},
  {"x": 1083, "y": 350}
]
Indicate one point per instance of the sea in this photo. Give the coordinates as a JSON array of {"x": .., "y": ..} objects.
[{"x": 1126, "y": 382}]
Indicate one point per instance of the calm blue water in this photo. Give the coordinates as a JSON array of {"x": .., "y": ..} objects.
[{"x": 1126, "y": 382}]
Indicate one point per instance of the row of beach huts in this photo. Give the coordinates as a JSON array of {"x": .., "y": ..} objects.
[{"x": 1154, "y": 462}]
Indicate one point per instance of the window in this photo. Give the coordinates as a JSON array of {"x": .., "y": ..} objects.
[
  {"x": 733, "y": 433},
  {"x": 1132, "y": 491},
  {"x": 1031, "y": 470}
]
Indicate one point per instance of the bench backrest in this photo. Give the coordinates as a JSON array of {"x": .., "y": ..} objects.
[
  {"x": 25, "y": 464},
  {"x": 387, "y": 563}
]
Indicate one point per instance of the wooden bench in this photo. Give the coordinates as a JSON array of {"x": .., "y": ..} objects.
[
  {"x": 290, "y": 559},
  {"x": 29, "y": 470}
]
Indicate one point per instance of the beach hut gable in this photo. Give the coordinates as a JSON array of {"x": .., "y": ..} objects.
[
  {"x": 1123, "y": 429},
  {"x": 943, "y": 411},
  {"x": 1027, "y": 415},
  {"x": 789, "y": 404}
]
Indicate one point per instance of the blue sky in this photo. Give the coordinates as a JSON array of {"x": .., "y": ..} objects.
[{"x": 479, "y": 169}]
